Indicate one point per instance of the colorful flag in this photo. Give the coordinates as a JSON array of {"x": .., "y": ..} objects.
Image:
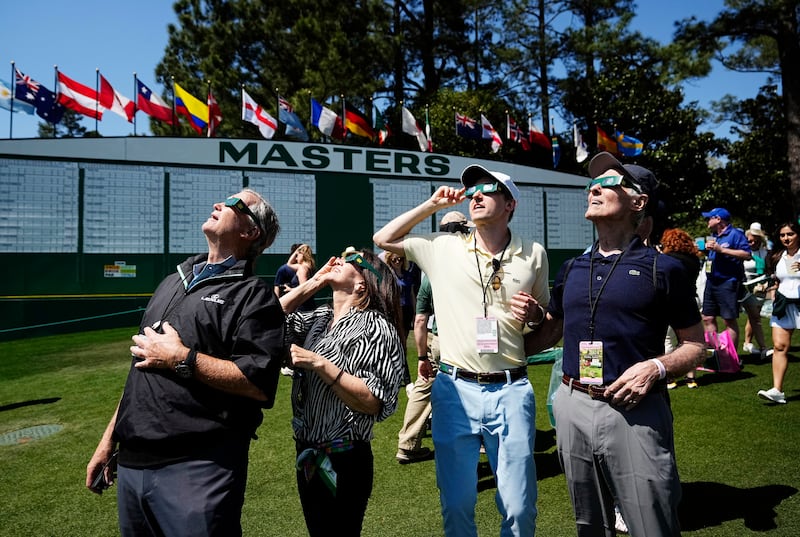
[
  {"x": 515, "y": 134},
  {"x": 326, "y": 120},
  {"x": 581, "y": 151},
  {"x": 25, "y": 88},
  {"x": 606, "y": 142},
  {"x": 47, "y": 106},
  {"x": 214, "y": 115},
  {"x": 19, "y": 106},
  {"x": 467, "y": 127},
  {"x": 79, "y": 97},
  {"x": 490, "y": 134},
  {"x": 254, "y": 113},
  {"x": 556, "y": 152},
  {"x": 28, "y": 90},
  {"x": 382, "y": 127},
  {"x": 538, "y": 137},
  {"x": 628, "y": 145},
  {"x": 294, "y": 127},
  {"x": 110, "y": 99},
  {"x": 151, "y": 104},
  {"x": 410, "y": 126},
  {"x": 357, "y": 123},
  {"x": 191, "y": 107}
]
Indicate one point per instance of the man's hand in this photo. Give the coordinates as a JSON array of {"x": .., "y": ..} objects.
[
  {"x": 526, "y": 309},
  {"x": 629, "y": 389},
  {"x": 447, "y": 196},
  {"x": 425, "y": 369},
  {"x": 159, "y": 351}
]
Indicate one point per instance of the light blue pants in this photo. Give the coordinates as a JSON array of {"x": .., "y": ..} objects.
[{"x": 502, "y": 416}]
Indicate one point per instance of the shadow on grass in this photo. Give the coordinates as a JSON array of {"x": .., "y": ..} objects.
[
  {"x": 706, "y": 504},
  {"x": 708, "y": 378},
  {"x": 32, "y": 402}
]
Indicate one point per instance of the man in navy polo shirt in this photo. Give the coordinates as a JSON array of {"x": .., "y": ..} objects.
[
  {"x": 613, "y": 421},
  {"x": 727, "y": 252}
]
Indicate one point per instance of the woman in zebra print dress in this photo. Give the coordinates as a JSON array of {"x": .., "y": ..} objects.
[{"x": 347, "y": 359}]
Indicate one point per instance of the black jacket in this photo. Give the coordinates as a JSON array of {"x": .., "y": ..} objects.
[{"x": 234, "y": 316}]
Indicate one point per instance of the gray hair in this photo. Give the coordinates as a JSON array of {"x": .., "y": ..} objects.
[{"x": 268, "y": 222}]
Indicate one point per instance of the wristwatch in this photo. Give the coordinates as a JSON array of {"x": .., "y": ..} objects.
[{"x": 185, "y": 368}]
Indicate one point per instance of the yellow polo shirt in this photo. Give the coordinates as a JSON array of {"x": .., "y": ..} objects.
[{"x": 449, "y": 260}]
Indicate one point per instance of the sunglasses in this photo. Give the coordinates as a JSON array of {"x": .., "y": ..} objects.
[
  {"x": 486, "y": 188},
  {"x": 240, "y": 206},
  {"x": 358, "y": 260},
  {"x": 612, "y": 180},
  {"x": 497, "y": 275}
]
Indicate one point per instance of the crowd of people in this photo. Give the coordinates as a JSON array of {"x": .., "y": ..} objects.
[{"x": 634, "y": 319}]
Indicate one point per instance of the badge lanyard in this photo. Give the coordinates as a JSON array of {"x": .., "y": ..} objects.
[
  {"x": 593, "y": 303},
  {"x": 496, "y": 264}
]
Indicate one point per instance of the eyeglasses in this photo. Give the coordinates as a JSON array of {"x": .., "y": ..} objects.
[
  {"x": 486, "y": 188},
  {"x": 358, "y": 260},
  {"x": 239, "y": 205},
  {"x": 612, "y": 180}
]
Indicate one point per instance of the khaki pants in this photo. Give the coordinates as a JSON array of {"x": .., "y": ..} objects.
[{"x": 418, "y": 408}]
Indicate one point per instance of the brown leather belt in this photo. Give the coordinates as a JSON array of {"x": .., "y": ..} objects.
[
  {"x": 491, "y": 377},
  {"x": 592, "y": 390}
]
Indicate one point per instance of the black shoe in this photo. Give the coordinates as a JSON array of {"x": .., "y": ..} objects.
[{"x": 407, "y": 456}]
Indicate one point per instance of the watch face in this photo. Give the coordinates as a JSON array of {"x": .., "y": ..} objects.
[{"x": 183, "y": 370}]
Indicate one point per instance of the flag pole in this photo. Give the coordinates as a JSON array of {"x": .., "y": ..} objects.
[
  {"x": 135, "y": 102},
  {"x": 174, "y": 116},
  {"x": 13, "y": 93},
  {"x": 58, "y": 92},
  {"x": 96, "y": 102},
  {"x": 208, "y": 104}
]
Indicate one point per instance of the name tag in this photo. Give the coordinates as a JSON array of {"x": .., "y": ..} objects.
[
  {"x": 590, "y": 356},
  {"x": 487, "y": 337}
]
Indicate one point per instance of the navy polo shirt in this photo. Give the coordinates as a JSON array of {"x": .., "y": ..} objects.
[
  {"x": 725, "y": 267},
  {"x": 631, "y": 315}
]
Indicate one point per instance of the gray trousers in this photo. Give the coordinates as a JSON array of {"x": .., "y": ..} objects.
[{"x": 616, "y": 456}]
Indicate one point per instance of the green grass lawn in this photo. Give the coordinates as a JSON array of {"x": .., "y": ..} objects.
[{"x": 737, "y": 454}]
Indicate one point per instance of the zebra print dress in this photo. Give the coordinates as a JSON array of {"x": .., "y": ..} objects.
[{"x": 363, "y": 344}]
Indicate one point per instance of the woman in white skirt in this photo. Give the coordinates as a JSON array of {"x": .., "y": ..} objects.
[{"x": 784, "y": 264}]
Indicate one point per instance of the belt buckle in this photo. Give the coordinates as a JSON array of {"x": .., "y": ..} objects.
[
  {"x": 483, "y": 378},
  {"x": 596, "y": 392}
]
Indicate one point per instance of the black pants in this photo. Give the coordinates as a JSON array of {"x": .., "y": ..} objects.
[{"x": 343, "y": 514}]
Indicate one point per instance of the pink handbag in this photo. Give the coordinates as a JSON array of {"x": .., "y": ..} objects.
[{"x": 724, "y": 358}]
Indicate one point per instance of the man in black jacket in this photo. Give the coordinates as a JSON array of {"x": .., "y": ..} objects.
[{"x": 204, "y": 364}]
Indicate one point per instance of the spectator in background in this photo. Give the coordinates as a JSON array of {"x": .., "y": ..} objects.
[
  {"x": 418, "y": 409},
  {"x": 348, "y": 359},
  {"x": 680, "y": 245},
  {"x": 407, "y": 275},
  {"x": 754, "y": 271},
  {"x": 304, "y": 266},
  {"x": 204, "y": 364},
  {"x": 784, "y": 264},
  {"x": 284, "y": 274},
  {"x": 728, "y": 249}
]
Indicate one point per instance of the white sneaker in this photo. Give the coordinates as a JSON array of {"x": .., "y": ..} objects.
[
  {"x": 773, "y": 395},
  {"x": 747, "y": 348},
  {"x": 619, "y": 522}
]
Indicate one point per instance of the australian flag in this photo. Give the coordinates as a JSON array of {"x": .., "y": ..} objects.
[
  {"x": 28, "y": 90},
  {"x": 468, "y": 127}
]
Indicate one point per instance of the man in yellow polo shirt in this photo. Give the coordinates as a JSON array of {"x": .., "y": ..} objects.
[{"x": 490, "y": 287}]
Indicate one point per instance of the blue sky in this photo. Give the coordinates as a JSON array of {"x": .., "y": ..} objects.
[{"x": 121, "y": 38}]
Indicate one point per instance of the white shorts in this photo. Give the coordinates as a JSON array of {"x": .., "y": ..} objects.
[{"x": 789, "y": 321}]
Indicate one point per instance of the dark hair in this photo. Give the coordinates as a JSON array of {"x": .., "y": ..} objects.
[
  {"x": 776, "y": 253},
  {"x": 383, "y": 296}
]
